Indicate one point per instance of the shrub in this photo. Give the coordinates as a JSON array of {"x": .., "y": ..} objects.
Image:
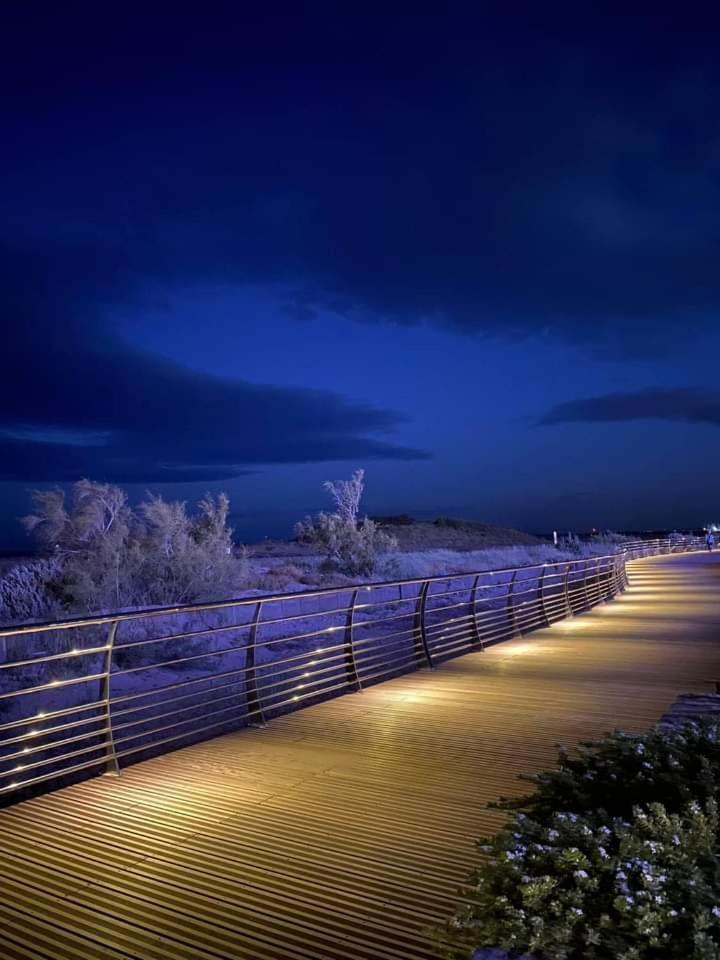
[
  {"x": 608, "y": 538},
  {"x": 350, "y": 546},
  {"x": 668, "y": 767},
  {"x": 615, "y": 855},
  {"x": 26, "y": 592},
  {"x": 572, "y": 544}
]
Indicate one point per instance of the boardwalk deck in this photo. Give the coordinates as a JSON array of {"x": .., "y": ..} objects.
[{"x": 342, "y": 831}]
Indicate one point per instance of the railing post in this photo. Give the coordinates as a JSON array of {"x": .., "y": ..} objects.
[
  {"x": 622, "y": 572},
  {"x": 252, "y": 693},
  {"x": 512, "y": 616},
  {"x": 585, "y": 585},
  {"x": 613, "y": 583},
  {"x": 609, "y": 588},
  {"x": 541, "y": 595},
  {"x": 478, "y": 641},
  {"x": 422, "y": 650},
  {"x": 566, "y": 589},
  {"x": 112, "y": 766},
  {"x": 350, "y": 662}
]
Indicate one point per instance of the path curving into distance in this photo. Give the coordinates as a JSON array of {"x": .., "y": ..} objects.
[{"x": 343, "y": 830}]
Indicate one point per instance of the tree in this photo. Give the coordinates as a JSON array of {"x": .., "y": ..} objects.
[
  {"x": 347, "y": 495},
  {"x": 90, "y": 540},
  {"x": 351, "y": 547},
  {"x": 109, "y": 556}
]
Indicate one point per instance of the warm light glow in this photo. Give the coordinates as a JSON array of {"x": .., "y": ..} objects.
[
  {"x": 520, "y": 649},
  {"x": 573, "y": 623}
]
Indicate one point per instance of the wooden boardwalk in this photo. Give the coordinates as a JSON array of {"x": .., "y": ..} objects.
[{"x": 342, "y": 831}]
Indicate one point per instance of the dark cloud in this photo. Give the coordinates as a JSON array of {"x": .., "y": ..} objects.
[
  {"x": 76, "y": 401},
  {"x": 487, "y": 176},
  {"x": 682, "y": 405}
]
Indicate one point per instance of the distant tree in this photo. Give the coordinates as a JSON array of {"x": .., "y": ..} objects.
[
  {"x": 109, "y": 556},
  {"x": 351, "y": 546},
  {"x": 90, "y": 539},
  {"x": 347, "y": 495},
  {"x": 184, "y": 558}
]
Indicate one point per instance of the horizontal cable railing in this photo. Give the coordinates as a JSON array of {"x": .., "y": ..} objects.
[{"x": 89, "y": 695}]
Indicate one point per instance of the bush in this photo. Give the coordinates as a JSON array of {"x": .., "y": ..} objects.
[
  {"x": 572, "y": 544},
  {"x": 608, "y": 538},
  {"x": 351, "y": 547},
  {"x": 614, "y": 856},
  {"x": 26, "y": 592}
]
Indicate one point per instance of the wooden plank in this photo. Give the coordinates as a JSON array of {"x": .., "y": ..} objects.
[{"x": 344, "y": 829}]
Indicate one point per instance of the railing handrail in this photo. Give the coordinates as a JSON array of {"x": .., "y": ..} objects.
[{"x": 147, "y": 612}]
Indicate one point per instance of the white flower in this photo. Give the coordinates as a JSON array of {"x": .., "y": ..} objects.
[
  {"x": 581, "y": 874},
  {"x": 715, "y": 911}
]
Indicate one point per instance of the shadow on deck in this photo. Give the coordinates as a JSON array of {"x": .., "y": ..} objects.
[{"x": 343, "y": 830}]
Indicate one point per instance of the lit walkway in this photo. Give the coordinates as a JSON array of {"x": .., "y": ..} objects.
[{"x": 342, "y": 831}]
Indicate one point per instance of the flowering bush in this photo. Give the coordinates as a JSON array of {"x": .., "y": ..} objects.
[
  {"x": 614, "y": 856},
  {"x": 610, "y": 777}
]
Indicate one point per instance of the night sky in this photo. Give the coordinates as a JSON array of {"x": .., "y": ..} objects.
[{"x": 477, "y": 254}]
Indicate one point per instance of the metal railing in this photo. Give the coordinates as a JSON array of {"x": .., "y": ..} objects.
[{"x": 88, "y": 695}]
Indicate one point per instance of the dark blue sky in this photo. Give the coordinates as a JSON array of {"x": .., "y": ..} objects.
[{"x": 476, "y": 253}]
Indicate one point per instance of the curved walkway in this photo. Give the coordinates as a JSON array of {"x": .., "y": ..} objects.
[{"x": 343, "y": 830}]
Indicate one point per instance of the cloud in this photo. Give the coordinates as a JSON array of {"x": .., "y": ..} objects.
[
  {"x": 685, "y": 405},
  {"x": 77, "y": 401},
  {"x": 431, "y": 183}
]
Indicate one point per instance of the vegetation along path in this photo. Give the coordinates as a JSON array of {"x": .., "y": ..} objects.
[{"x": 343, "y": 830}]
